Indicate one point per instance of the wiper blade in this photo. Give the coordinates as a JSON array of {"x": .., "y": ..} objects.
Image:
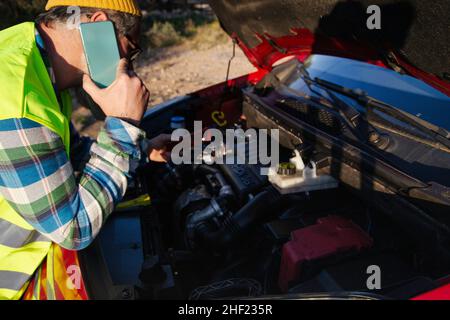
[
  {"x": 360, "y": 126},
  {"x": 439, "y": 134}
]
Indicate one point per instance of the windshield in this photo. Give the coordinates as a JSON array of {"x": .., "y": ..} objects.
[{"x": 404, "y": 92}]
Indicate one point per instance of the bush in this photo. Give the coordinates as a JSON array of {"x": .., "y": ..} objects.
[
  {"x": 208, "y": 36},
  {"x": 14, "y": 12},
  {"x": 163, "y": 34},
  {"x": 171, "y": 28}
]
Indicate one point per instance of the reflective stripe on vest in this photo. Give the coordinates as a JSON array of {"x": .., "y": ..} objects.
[
  {"x": 13, "y": 236},
  {"x": 9, "y": 281},
  {"x": 26, "y": 91}
]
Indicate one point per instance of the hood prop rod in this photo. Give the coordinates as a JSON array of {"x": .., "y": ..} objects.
[
  {"x": 227, "y": 78},
  {"x": 230, "y": 61}
]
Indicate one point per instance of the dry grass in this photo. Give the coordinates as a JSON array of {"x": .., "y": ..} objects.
[
  {"x": 208, "y": 36},
  {"x": 164, "y": 34}
]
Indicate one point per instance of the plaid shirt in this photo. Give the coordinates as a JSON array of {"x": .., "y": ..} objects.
[{"x": 37, "y": 177}]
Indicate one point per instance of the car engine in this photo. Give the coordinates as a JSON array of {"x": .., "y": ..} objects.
[{"x": 227, "y": 231}]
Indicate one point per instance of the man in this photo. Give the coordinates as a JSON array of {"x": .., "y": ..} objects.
[{"x": 43, "y": 205}]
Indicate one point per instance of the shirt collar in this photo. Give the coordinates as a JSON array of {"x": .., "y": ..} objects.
[{"x": 41, "y": 46}]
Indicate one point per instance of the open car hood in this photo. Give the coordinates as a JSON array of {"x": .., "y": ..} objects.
[{"x": 414, "y": 36}]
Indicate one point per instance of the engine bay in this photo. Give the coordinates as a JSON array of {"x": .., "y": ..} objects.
[{"x": 226, "y": 231}]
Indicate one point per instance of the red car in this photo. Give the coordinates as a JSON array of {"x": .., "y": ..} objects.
[{"x": 368, "y": 112}]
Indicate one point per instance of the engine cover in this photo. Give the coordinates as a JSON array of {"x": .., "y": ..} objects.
[{"x": 244, "y": 179}]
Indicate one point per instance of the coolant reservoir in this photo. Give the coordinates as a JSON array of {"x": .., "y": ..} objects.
[{"x": 295, "y": 177}]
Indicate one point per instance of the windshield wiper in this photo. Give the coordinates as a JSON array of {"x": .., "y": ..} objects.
[
  {"x": 358, "y": 123},
  {"x": 439, "y": 134}
]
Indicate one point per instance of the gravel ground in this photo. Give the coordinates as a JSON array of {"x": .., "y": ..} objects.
[
  {"x": 175, "y": 71},
  {"x": 178, "y": 71}
]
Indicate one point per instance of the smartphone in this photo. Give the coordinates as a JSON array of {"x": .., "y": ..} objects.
[{"x": 101, "y": 51}]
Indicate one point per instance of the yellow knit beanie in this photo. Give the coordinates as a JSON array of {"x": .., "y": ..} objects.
[{"x": 127, "y": 6}]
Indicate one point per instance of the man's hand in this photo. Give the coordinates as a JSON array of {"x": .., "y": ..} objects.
[
  {"x": 158, "y": 148},
  {"x": 126, "y": 98}
]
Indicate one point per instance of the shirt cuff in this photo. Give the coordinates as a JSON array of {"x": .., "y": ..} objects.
[{"x": 125, "y": 137}]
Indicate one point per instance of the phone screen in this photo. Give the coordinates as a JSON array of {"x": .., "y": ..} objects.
[{"x": 101, "y": 51}]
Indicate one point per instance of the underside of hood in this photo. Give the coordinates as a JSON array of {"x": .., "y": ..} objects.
[{"x": 417, "y": 31}]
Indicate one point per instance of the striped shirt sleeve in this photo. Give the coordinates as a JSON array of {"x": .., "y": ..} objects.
[{"x": 37, "y": 178}]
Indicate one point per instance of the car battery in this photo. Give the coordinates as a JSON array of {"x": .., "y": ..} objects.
[{"x": 330, "y": 239}]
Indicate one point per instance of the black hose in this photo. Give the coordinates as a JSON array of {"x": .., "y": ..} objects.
[
  {"x": 237, "y": 225},
  {"x": 226, "y": 192}
]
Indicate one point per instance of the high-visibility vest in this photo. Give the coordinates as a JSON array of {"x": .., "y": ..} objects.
[{"x": 26, "y": 91}]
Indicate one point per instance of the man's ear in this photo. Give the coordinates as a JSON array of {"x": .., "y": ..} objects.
[{"x": 99, "y": 16}]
